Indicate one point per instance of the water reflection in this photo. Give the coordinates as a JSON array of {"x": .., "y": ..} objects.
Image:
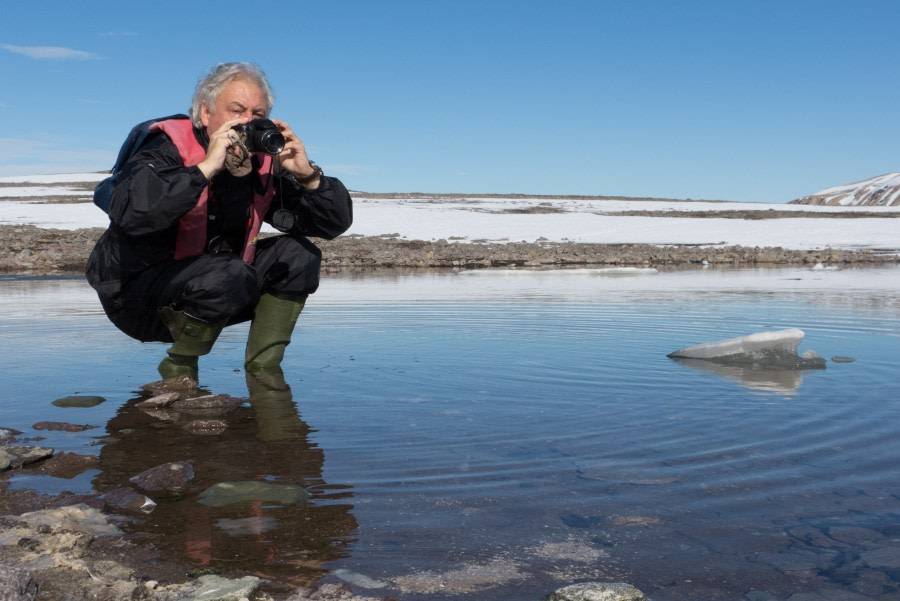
[
  {"x": 265, "y": 442},
  {"x": 766, "y": 379}
]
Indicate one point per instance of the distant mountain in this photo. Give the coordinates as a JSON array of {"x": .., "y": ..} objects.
[{"x": 881, "y": 191}]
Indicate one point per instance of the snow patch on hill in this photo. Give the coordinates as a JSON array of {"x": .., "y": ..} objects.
[{"x": 880, "y": 191}]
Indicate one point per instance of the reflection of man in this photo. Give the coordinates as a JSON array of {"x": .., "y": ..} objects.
[
  {"x": 267, "y": 444},
  {"x": 182, "y": 259}
]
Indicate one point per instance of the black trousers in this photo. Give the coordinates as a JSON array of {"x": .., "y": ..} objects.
[{"x": 217, "y": 287}]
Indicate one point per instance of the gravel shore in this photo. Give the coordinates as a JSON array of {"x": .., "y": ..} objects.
[{"x": 26, "y": 249}]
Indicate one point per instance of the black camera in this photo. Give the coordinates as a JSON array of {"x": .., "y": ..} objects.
[{"x": 261, "y": 135}]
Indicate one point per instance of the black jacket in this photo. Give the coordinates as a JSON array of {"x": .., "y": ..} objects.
[{"x": 157, "y": 189}]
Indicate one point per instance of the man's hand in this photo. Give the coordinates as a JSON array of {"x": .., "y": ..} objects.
[
  {"x": 293, "y": 157},
  {"x": 219, "y": 142}
]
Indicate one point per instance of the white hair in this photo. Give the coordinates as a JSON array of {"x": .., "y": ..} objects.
[{"x": 211, "y": 85}]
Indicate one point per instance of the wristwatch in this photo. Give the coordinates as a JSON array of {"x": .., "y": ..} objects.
[{"x": 316, "y": 173}]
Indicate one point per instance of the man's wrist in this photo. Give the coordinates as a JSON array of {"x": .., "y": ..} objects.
[{"x": 316, "y": 173}]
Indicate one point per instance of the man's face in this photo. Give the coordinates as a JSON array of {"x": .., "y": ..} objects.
[{"x": 240, "y": 99}]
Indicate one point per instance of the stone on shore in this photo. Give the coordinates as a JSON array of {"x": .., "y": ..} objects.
[
  {"x": 74, "y": 518},
  {"x": 210, "y": 588},
  {"x": 16, "y": 584},
  {"x": 17, "y": 456}
]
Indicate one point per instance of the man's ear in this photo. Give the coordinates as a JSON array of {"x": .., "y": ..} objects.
[{"x": 204, "y": 114}]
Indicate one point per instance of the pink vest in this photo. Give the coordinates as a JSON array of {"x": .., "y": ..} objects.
[{"x": 191, "y": 238}]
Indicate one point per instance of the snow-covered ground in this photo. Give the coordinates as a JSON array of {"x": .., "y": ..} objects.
[{"x": 503, "y": 219}]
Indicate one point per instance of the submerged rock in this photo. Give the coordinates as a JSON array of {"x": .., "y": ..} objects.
[
  {"x": 210, "y": 405},
  {"x": 205, "y": 427},
  {"x": 62, "y": 426},
  {"x": 763, "y": 349},
  {"x": 68, "y": 465},
  {"x": 839, "y": 359},
  {"x": 464, "y": 579},
  {"x": 79, "y": 401},
  {"x": 597, "y": 591},
  {"x": 126, "y": 499},
  {"x": 357, "y": 579},
  {"x": 171, "y": 477},
  {"x": 330, "y": 591},
  {"x": 229, "y": 493}
]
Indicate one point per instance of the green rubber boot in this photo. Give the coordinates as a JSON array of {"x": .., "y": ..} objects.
[
  {"x": 193, "y": 338},
  {"x": 271, "y": 329}
]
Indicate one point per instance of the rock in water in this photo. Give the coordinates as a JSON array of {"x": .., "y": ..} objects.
[
  {"x": 597, "y": 591},
  {"x": 229, "y": 493},
  {"x": 161, "y": 400},
  {"x": 765, "y": 349},
  {"x": 129, "y": 500},
  {"x": 209, "y": 402},
  {"x": 79, "y": 401},
  {"x": 839, "y": 359},
  {"x": 168, "y": 477},
  {"x": 62, "y": 426},
  {"x": 8, "y": 434}
]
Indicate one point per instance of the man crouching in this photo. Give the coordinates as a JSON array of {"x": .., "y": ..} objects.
[{"x": 181, "y": 258}]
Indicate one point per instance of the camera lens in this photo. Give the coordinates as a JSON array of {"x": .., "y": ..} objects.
[{"x": 271, "y": 142}]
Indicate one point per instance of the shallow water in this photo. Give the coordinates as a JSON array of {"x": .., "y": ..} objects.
[{"x": 496, "y": 435}]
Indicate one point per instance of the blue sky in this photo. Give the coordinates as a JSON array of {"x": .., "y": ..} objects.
[{"x": 763, "y": 100}]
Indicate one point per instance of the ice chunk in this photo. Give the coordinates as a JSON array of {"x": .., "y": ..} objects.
[{"x": 764, "y": 349}]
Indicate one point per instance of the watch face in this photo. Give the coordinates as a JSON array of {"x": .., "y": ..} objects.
[{"x": 283, "y": 220}]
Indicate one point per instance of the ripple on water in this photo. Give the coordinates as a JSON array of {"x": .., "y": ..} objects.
[{"x": 510, "y": 438}]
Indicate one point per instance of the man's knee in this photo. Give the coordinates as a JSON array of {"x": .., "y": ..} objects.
[
  {"x": 289, "y": 264},
  {"x": 224, "y": 290}
]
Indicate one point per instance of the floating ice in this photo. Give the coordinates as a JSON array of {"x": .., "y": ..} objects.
[
  {"x": 823, "y": 267},
  {"x": 763, "y": 349}
]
